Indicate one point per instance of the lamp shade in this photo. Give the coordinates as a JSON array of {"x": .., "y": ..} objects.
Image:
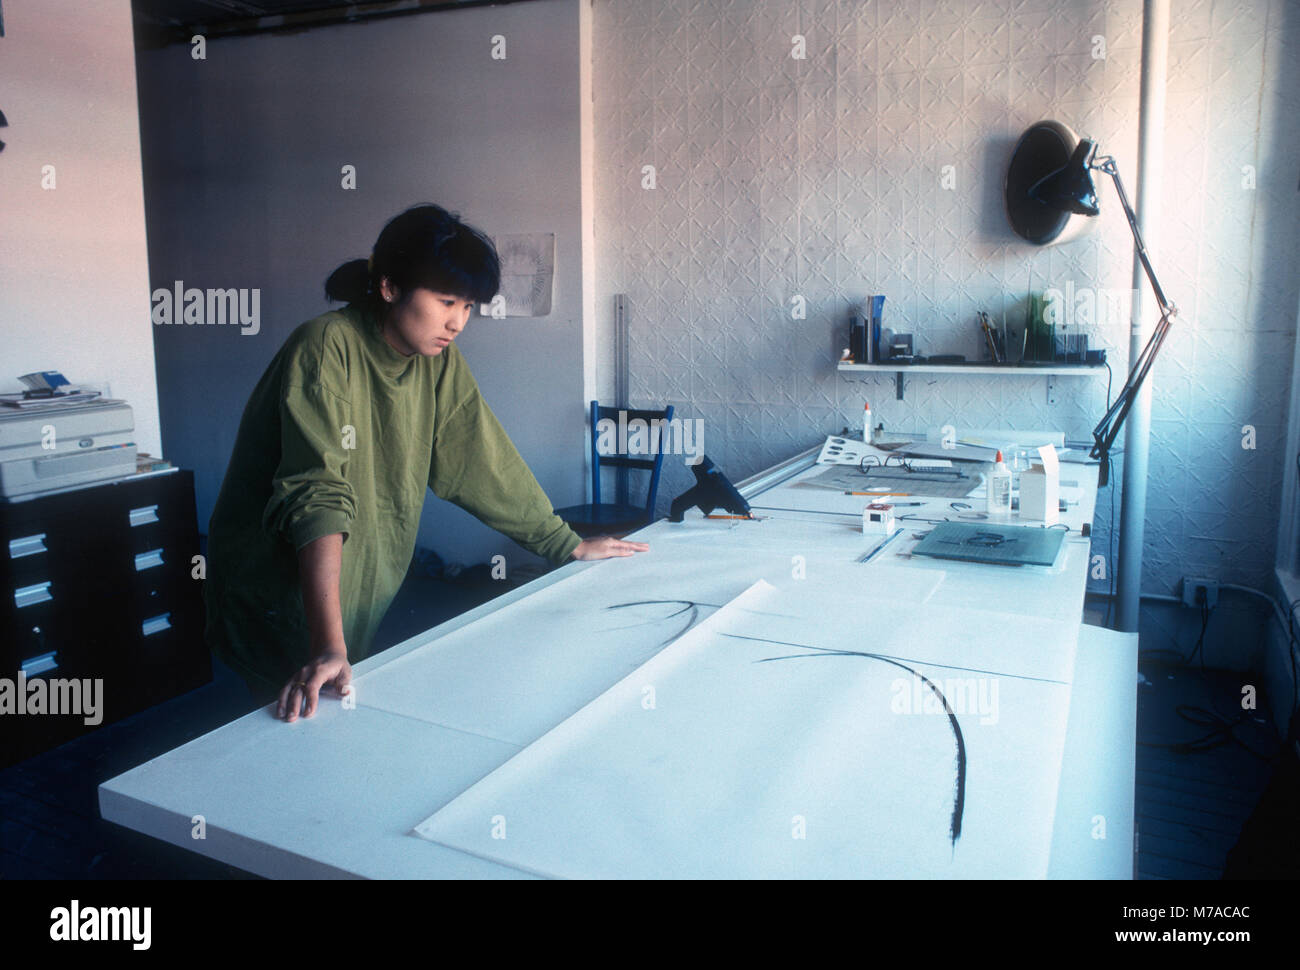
[
  {"x": 1070, "y": 188},
  {"x": 1042, "y": 151}
]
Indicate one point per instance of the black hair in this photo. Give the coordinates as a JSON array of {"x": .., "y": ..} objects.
[{"x": 426, "y": 246}]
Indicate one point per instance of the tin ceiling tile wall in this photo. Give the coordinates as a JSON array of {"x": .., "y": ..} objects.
[{"x": 807, "y": 154}]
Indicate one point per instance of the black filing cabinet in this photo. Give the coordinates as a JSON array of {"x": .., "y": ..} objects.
[{"x": 98, "y": 585}]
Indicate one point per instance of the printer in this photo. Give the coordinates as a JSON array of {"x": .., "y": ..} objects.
[{"x": 58, "y": 446}]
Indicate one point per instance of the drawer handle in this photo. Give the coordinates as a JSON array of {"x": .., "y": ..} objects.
[
  {"x": 148, "y": 560},
  {"x": 143, "y": 515},
  {"x": 27, "y": 546},
  {"x": 156, "y": 624},
  {"x": 39, "y": 665},
  {"x": 31, "y": 595}
]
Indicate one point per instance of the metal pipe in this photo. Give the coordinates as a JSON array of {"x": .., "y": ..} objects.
[
  {"x": 622, "y": 394},
  {"x": 1277, "y": 610},
  {"x": 1137, "y": 438}
]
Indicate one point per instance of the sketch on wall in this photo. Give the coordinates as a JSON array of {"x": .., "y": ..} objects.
[{"x": 527, "y": 275}]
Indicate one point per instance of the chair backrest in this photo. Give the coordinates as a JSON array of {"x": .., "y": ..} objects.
[{"x": 656, "y": 424}]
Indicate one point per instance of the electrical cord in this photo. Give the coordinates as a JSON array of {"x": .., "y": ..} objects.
[
  {"x": 1222, "y": 727},
  {"x": 1222, "y": 731},
  {"x": 1286, "y": 621},
  {"x": 1293, "y": 642},
  {"x": 1200, "y": 640},
  {"x": 1183, "y": 660}
]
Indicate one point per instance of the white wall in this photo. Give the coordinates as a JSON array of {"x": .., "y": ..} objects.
[
  {"x": 821, "y": 177},
  {"x": 243, "y": 184},
  {"x": 74, "y": 274}
]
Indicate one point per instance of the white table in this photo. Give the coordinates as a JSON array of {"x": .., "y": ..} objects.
[{"x": 338, "y": 795}]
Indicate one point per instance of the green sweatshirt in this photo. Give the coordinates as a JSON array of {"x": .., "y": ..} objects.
[{"x": 343, "y": 434}]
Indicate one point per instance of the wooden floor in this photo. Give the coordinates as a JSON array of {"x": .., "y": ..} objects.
[
  {"x": 49, "y": 816},
  {"x": 1190, "y": 806}
]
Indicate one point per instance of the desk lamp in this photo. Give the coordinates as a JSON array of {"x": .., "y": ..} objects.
[{"x": 1070, "y": 189}]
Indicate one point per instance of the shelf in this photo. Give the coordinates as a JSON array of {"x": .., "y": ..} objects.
[
  {"x": 1036, "y": 370},
  {"x": 1049, "y": 371}
]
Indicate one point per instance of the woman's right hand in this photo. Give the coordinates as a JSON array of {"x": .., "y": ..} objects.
[
  {"x": 320, "y": 563},
  {"x": 330, "y": 669}
]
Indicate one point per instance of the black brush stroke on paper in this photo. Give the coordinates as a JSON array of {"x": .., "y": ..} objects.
[
  {"x": 959, "y": 789},
  {"x": 686, "y": 605}
]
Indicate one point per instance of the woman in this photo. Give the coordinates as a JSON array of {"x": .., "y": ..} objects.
[{"x": 360, "y": 411}]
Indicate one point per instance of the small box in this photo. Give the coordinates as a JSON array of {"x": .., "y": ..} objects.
[
  {"x": 1040, "y": 491},
  {"x": 878, "y": 517}
]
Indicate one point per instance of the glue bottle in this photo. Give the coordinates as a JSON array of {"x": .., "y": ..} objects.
[
  {"x": 997, "y": 487},
  {"x": 866, "y": 422}
]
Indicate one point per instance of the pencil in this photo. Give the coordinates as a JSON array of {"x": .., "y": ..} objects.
[{"x": 877, "y": 493}]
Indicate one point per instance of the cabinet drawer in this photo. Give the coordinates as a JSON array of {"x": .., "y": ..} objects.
[
  {"x": 95, "y": 585},
  {"x": 158, "y": 577},
  {"x": 32, "y": 629},
  {"x": 162, "y": 656}
]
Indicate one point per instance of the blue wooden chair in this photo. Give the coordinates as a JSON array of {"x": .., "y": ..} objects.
[{"x": 607, "y": 518}]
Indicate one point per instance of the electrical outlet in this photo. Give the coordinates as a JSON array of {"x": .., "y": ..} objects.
[{"x": 1191, "y": 585}]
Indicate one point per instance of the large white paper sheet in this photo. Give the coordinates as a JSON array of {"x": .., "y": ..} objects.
[
  {"x": 729, "y": 755},
  {"x": 979, "y": 639},
  {"x": 599, "y": 625}
]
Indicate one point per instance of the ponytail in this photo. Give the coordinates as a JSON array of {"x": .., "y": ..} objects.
[{"x": 350, "y": 282}]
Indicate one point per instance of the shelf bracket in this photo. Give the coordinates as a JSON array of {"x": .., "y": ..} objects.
[
  {"x": 898, "y": 384},
  {"x": 1051, "y": 388}
]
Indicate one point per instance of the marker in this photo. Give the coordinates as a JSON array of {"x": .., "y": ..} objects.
[{"x": 749, "y": 517}]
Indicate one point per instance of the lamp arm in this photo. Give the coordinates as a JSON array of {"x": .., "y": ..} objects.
[
  {"x": 1107, "y": 429},
  {"x": 1107, "y": 165}
]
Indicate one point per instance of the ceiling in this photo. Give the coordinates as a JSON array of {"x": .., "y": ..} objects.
[{"x": 161, "y": 22}]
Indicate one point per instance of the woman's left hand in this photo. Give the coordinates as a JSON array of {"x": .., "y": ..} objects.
[{"x": 606, "y": 547}]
